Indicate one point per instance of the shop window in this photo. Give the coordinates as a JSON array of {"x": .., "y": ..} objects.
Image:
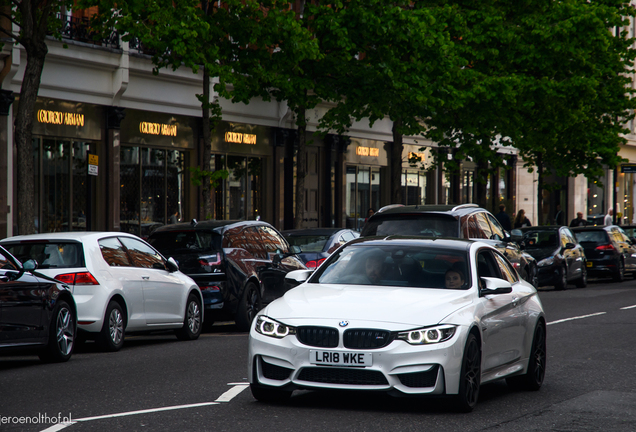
[
  {"x": 362, "y": 191},
  {"x": 152, "y": 188}
]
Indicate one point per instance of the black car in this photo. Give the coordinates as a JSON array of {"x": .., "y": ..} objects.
[
  {"x": 36, "y": 312},
  {"x": 467, "y": 221},
  {"x": 609, "y": 251},
  {"x": 560, "y": 257},
  {"x": 316, "y": 244},
  {"x": 240, "y": 266}
]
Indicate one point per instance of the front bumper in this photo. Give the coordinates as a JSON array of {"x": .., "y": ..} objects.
[
  {"x": 549, "y": 275},
  {"x": 397, "y": 368},
  {"x": 602, "y": 267}
]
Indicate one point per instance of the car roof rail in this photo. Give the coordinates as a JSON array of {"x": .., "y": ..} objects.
[
  {"x": 461, "y": 206},
  {"x": 390, "y": 206}
]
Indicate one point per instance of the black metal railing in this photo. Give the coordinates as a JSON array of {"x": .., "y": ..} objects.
[{"x": 78, "y": 29}]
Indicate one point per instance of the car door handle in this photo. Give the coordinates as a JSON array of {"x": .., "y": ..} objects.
[{"x": 145, "y": 277}]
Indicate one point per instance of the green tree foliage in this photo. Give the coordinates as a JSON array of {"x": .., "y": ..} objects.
[{"x": 34, "y": 20}]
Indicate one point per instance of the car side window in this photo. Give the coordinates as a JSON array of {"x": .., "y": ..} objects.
[
  {"x": 484, "y": 226},
  {"x": 348, "y": 236},
  {"x": 254, "y": 243},
  {"x": 487, "y": 266},
  {"x": 232, "y": 238},
  {"x": 506, "y": 269},
  {"x": 113, "y": 252},
  {"x": 474, "y": 230},
  {"x": 142, "y": 255},
  {"x": 5, "y": 263},
  {"x": 496, "y": 227},
  {"x": 272, "y": 240}
]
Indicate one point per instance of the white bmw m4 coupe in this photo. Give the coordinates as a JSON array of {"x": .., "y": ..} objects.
[{"x": 402, "y": 315}]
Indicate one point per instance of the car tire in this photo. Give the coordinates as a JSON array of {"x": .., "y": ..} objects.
[
  {"x": 268, "y": 394},
  {"x": 62, "y": 333},
  {"x": 619, "y": 275},
  {"x": 582, "y": 281},
  {"x": 248, "y": 307},
  {"x": 533, "y": 276},
  {"x": 533, "y": 378},
  {"x": 111, "y": 337},
  {"x": 192, "y": 324},
  {"x": 470, "y": 378},
  {"x": 562, "y": 279}
]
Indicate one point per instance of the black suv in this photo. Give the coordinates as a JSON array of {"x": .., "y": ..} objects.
[
  {"x": 239, "y": 265},
  {"x": 468, "y": 221}
]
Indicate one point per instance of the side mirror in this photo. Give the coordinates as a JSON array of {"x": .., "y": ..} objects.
[
  {"x": 276, "y": 259},
  {"x": 30, "y": 265},
  {"x": 296, "y": 277},
  {"x": 172, "y": 265},
  {"x": 494, "y": 286}
]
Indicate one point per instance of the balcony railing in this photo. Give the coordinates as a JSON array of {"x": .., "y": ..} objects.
[{"x": 78, "y": 29}]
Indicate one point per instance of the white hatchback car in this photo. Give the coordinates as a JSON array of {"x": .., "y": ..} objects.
[{"x": 119, "y": 282}]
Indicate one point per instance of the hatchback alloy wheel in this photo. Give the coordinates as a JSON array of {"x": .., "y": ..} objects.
[
  {"x": 65, "y": 330},
  {"x": 116, "y": 326}
]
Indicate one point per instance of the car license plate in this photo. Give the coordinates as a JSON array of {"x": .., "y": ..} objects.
[
  {"x": 340, "y": 358},
  {"x": 588, "y": 264}
]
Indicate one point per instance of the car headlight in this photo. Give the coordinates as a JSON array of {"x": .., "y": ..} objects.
[
  {"x": 269, "y": 327},
  {"x": 428, "y": 335},
  {"x": 546, "y": 262}
]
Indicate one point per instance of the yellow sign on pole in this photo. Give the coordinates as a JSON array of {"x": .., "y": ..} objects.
[{"x": 92, "y": 159}]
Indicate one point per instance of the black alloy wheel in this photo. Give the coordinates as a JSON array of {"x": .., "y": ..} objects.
[
  {"x": 248, "y": 307},
  {"x": 619, "y": 275},
  {"x": 533, "y": 378},
  {"x": 562, "y": 279},
  {"x": 62, "y": 331},
  {"x": 470, "y": 378},
  {"x": 192, "y": 324}
]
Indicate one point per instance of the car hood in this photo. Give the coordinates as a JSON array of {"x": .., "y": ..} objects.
[{"x": 409, "y": 306}]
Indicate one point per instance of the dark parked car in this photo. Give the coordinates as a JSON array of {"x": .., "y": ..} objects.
[
  {"x": 36, "y": 312},
  {"x": 608, "y": 250},
  {"x": 316, "y": 244},
  {"x": 560, "y": 257},
  {"x": 240, "y": 266},
  {"x": 467, "y": 221}
]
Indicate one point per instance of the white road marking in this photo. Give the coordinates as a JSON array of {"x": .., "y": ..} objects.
[
  {"x": 575, "y": 318},
  {"x": 225, "y": 397},
  {"x": 628, "y": 307},
  {"x": 233, "y": 392}
]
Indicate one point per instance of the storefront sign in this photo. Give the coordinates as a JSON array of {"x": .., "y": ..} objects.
[
  {"x": 92, "y": 164},
  {"x": 417, "y": 157},
  {"x": 628, "y": 168},
  {"x": 60, "y": 118},
  {"x": 367, "y": 151},
  {"x": 158, "y": 129},
  {"x": 240, "y": 138}
]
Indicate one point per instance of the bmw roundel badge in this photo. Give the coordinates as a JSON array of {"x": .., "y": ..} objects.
[{"x": 343, "y": 323}]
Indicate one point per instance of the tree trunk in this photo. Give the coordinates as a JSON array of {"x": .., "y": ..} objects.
[
  {"x": 35, "y": 54},
  {"x": 301, "y": 165},
  {"x": 396, "y": 164},
  {"x": 206, "y": 154}
]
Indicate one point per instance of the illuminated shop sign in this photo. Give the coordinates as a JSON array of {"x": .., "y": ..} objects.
[
  {"x": 240, "y": 138},
  {"x": 420, "y": 156},
  {"x": 157, "y": 129},
  {"x": 367, "y": 151},
  {"x": 60, "y": 118}
]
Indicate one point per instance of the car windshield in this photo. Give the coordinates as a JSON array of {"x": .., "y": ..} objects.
[
  {"x": 537, "y": 239},
  {"x": 49, "y": 254},
  {"x": 396, "y": 265},
  {"x": 427, "y": 225},
  {"x": 591, "y": 236},
  {"x": 308, "y": 243},
  {"x": 182, "y": 241}
]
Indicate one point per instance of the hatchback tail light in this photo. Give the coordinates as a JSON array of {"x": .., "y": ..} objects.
[
  {"x": 82, "y": 278},
  {"x": 605, "y": 247},
  {"x": 210, "y": 288},
  {"x": 314, "y": 263}
]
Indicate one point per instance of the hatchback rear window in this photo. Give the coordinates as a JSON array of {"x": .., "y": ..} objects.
[
  {"x": 308, "y": 243},
  {"x": 591, "y": 236},
  {"x": 49, "y": 254},
  {"x": 183, "y": 241},
  {"x": 426, "y": 225}
]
